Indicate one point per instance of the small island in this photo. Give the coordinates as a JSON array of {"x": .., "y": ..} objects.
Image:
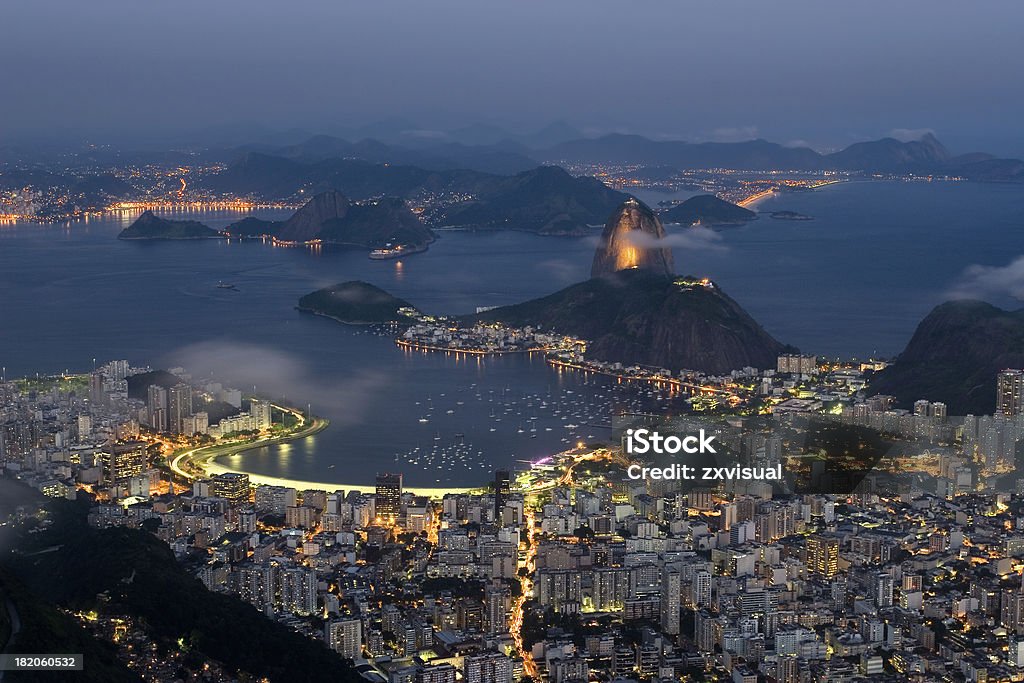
[
  {"x": 707, "y": 209},
  {"x": 357, "y": 303},
  {"x": 789, "y": 216},
  {"x": 149, "y": 226}
]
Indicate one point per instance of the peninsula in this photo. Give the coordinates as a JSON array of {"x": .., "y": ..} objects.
[
  {"x": 149, "y": 226},
  {"x": 707, "y": 209}
]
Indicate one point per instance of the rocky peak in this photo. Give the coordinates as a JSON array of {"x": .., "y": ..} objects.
[
  {"x": 307, "y": 221},
  {"x": 631, "y": 241}
]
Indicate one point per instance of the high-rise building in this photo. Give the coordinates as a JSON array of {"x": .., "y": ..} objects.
[
  {"x": 301, "y": 516},
  {"x": 84, "y": 427},
  {"x": 179, "y": 401},
  {"x": 560, "y": 589},
  {"x": 882, "y": 590},
  {"x": 823, "y": 555},
  {"x": 117, "y": 369},
  {"x": 257, "y": 584},
  {"x": 701, "y": 589},
  {"x": 1011, "y": 611},
  {"x": 564, "y": 669},
  {"x": 298, "y": 591},
  {"x": 198, "y": 423},
  {"x": 611, "y": 588},
  {"x": 798, "y": 364},
  {"x": 497, "y": 601},
  {"x": 345, "y": 636},
  {"x": 671, "y": 600},
  {"x": 276, "y": 499},
  {"x": 389, "y": 495},
  {"x": 261, "y": 413},
  {"x": 231, "y": 485},
  {"x": 704, "y": 631},
  {"x": 1010, "y": 392},
  {"x": 123, "y": 461},
  {"x": 436, "y": 673},
  {"x": 487, "y": 667},
  {"x": 762, "y": 606},
  {"x": 157, "y": 407},
  {"x": 502, "y": 489},
  {"x": 97, "y": 395}
]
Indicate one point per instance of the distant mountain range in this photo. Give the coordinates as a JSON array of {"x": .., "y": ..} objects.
[
  {"x": 507, "y": 158},
  {"x": 545, "y": 199},
  {"x": 501, "y": 185},
  {"x": 954, "y": 357},
  {"x": 887, "y": 155}
]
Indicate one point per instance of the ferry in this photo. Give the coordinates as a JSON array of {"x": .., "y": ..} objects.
[{"x": 390, "y": 252}]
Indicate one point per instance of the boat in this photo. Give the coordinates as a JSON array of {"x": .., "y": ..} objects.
[
  {"x": 226, "y": 285},
  {"x": 390, "y": 252}
]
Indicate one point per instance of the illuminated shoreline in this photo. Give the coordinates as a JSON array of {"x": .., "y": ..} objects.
[
  {"x": 208, "y": 463},
  {"x": 417, "y": 346},
  {"x": 301, "y": 484}
]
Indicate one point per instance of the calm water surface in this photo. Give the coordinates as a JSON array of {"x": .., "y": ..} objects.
[{"x": 853, "y": 282}]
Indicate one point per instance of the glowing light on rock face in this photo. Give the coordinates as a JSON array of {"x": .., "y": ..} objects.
[
  {"x": 629, "y": 241},
  {"x": 627, "y": 257}
]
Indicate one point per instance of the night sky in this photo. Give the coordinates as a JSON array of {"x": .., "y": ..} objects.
[{"x": 824, "y": 73}]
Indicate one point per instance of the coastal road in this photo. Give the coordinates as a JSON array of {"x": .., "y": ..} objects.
[{"x": 305, "y": 427}]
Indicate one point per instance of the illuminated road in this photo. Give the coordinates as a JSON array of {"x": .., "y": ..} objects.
[
  {"x": 193, "y": 463},
  {"x": 526, "y": 589},
  {"x": 528, "y": 562},
  {"x": 755, "y": 198}
]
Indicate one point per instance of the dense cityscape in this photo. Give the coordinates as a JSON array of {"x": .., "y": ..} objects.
[
  {"x": 455, "y": 342},
  {"x": 567, "y": 569}
]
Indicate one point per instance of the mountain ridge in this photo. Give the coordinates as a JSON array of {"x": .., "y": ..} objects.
[
  {"x": 640, "y": 317},
  {"x": 149, "y": 226},
  {"x": 925, "y": 155},
  {"x": 954, "y": 356},
  {"x": 330, "y": 217}
]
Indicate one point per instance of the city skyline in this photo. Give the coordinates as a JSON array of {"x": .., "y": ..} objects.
[{"x": 460, "y": 342}]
